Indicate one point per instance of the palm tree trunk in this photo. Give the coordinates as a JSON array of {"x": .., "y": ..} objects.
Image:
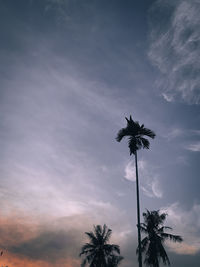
[
  {"x": 138, "y": 213},
  {"x": 157, "y": 262}
]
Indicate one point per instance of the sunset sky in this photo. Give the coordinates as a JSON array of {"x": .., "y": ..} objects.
[{"x": 70, "y": 71}]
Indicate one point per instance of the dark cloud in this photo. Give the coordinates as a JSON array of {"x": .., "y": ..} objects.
[
  {"x": 48, "y": 242},
  {"x": 50, "y": 246}
]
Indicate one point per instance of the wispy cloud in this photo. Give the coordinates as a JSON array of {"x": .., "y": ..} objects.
[
  {"x": 195, "y": 132},
  {"x": 46, "y": 138},
  {"x": 152, "y": 188},
  {"x": 175, "y": 50},
  {"x": 168, "y": 97},
  {"x": 156, "y": 189},
  {"x": 150, "y": 184},
  {"x": 195, "y": 147},
  {"x": 173, "y": 133},
  {"x": 130, "y": 171}
]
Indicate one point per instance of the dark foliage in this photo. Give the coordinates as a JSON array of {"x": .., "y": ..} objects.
[
  {"x": 152, "y": 244},
  {"x": 135, "y": 133},
  {"x": 98, "y": 253}
]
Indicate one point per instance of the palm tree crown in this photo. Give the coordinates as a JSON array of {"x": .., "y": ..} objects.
[
  {"x": 152, "y": 244},
  {"x": 136, "y": 133},
  {"x": 98, "y": 253}
]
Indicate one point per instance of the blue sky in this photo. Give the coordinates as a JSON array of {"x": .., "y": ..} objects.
[{"x": 70, "y": 72}]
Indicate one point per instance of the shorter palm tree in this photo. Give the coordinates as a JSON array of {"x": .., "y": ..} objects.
[
  {"x": 98, "y": 253},
  {"x": 152, "y": 244}
]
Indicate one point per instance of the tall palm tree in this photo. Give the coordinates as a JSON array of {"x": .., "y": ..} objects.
[
  {"x": 152, "y": 244},
  {"x": 98, "y": 253},
  {"x": 135, "y": 133}
]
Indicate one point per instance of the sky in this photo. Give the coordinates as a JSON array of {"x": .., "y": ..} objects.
[{"x": 70, "y": 72}]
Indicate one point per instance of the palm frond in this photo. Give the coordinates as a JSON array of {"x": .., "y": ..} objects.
[
  {"x": 107, "y": 236},
  {"x": 111, "y": 248},
  {"x": 104, "y": 230},
  {"x": 92, "y": 237},
  {"x": 122, "y": 133},
  {"x": 147, "y": 132},
  {"x": 144, "y": 244},
  {"x": 84, "y": 262},
  {"x": 163, "y": 254},
  {"x": 146, "y": 216},
  {"x": 114, "y": 261},
  {"x": 145, "y": 142},
  {"x": 163, "y": 216},
  {"x": 133, "y": 127},
  {"x": 143, "y": 228},
  {"x": 86, "y": 248},
  {"x": 151, "y": 256},
  {"x": 98, "y": 233},
  {"x": 134, "y": 145},
  {"x": 174, "y": 238},
  {"x": 115, "y": 248},
  {"x": 161, "y": 229},
  {"x": 87, "y": 252}
]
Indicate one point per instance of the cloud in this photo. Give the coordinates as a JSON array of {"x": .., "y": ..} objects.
[
  {"x": 187, "y": 224},
  {"x": 51, "y": 244},
  {"x": 172, "y": 134},
  {"x": 182, "y": 134},
  {"x": 51, "y": 125},
  {"x": 195, "y": 147},
  {"x": 174, "y": 48},
  {"x": 149, "y": 180},
  {"x": 156, "y": 188},
  {"x": 152, "y": 188},
  {"x": 167, "y": 97},
  {"x": 183, "y": 248},
  {"x": 130, "y": 171},
  {"x": 195, "y": 132}
]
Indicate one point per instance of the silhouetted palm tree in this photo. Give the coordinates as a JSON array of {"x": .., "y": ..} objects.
[
  {"x": 152, "y": 244},
  {"x": 135, "y": 133},
  {"x": 98, "y": 253}
]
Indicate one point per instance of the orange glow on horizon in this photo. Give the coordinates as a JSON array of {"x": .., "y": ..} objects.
[{"x": 13, "y": 260}]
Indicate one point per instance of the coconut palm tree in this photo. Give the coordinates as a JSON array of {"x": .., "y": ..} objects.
[
  {"x": 98, "y": 253},
  {"x": 135, "y": 133},
  {"x": 152, "y": 244}
]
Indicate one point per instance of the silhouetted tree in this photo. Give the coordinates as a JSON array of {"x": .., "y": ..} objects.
[
  {"x": 152, "y": 244},
  {"x": 98, "y": 253},
  {"x": 135, "y": 133}
]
